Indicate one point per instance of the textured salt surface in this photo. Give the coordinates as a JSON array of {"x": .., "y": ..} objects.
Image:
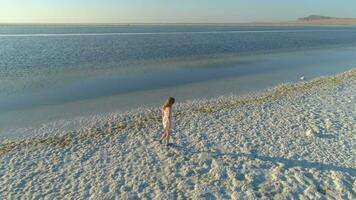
[{"x": 294, "y": 141}]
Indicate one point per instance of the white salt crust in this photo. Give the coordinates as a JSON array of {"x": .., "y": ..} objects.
[{"x": 293, "y": 141}]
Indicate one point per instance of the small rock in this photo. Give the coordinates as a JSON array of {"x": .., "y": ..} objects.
[
  {"x": 315, "y": 129},
  {"x": 309, "y": 132},
  {"x": 204, "y": 156},
  {"x": 328, "y": 124}
]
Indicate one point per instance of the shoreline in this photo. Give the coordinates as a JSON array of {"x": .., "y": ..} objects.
[
  {"x": 287, "y": 141},
  {"x": 154, "y": 112},
  {"x": 53, "y": 105}
]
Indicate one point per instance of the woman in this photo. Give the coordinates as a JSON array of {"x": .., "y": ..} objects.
[{"x": 167, "y": 119}]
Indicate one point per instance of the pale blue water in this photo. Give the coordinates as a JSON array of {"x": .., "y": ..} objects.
[{"x": 52, "y": 66}]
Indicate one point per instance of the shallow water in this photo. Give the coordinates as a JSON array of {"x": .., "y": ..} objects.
[{"x": 59, "y": 72}]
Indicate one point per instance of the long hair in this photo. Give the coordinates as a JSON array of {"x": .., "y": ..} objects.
[{"x": 168, "y": 103}]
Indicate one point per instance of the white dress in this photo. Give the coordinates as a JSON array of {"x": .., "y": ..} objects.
[{"x": 167, "y": 118}]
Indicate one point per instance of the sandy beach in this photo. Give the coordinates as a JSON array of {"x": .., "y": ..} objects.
[{"x": 291, "y": 141}]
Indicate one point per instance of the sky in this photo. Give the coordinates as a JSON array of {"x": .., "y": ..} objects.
[{"x": 168, "y": 11}]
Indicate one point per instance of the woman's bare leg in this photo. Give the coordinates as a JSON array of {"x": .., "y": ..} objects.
[
  {"x": 167, "y": 137},
  {"x": 164, "y": 135}
]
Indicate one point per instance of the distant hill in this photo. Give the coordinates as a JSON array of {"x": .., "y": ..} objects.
[
  {"x": 317, "y": 17},
  {"x": 324, "y": 20},
  {"x": 314, "y": 20},
  {"x": 320, "y": 17}
]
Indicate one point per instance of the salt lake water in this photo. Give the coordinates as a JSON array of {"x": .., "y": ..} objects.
[{"x": 55, "y": 72}]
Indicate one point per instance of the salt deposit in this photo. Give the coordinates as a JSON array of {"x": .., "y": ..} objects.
[{"x": 292, "y": 141}]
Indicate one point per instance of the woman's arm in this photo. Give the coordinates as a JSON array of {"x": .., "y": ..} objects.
[{"x": 169, "y": 117}]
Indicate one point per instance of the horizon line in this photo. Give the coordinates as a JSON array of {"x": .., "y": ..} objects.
[{"x": 276, "y": 23}]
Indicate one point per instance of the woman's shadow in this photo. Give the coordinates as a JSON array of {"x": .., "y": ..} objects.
[{"x": 288, "y": 163}]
